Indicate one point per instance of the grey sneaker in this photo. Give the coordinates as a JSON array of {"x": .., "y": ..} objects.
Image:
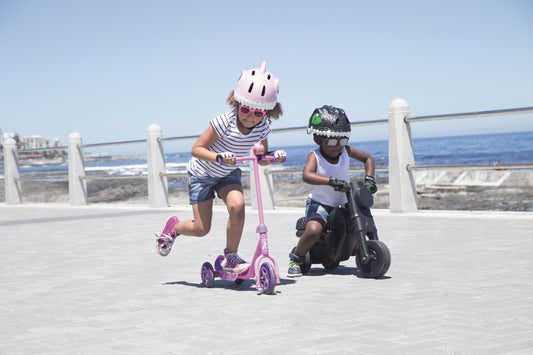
[
  {"x": 295, "y": 265},
  {"x": 234, "y": 263}
]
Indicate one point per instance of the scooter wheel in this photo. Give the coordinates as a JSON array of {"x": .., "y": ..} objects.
[
  {"x": 208, "y": 275},
  {"x": 267, "y": 278},
  {"x": 379, "y": 261}
]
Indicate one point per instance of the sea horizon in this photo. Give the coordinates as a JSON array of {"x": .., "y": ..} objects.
[{"x": 478, "y": 149}]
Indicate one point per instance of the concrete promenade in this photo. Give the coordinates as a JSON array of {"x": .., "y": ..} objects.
[{"x": 87, "y": 280}]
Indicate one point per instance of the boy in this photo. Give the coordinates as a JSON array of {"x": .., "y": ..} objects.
[{"x": 328, "y": 169}]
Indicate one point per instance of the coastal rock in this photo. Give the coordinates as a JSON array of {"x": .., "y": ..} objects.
[{"x": 289, "y": 192}]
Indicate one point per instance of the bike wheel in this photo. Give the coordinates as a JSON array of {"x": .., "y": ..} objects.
[
  {"x": 208, "y": 275},
  {"x": 330, "y": 265},
  {"x": 267, "y": 278},
  {"x": 379, "y": 262}
]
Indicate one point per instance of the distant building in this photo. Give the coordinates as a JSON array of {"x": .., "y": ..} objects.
[
  {"x": 37, "y": 142},
  {"x": 32, "y": 142}
]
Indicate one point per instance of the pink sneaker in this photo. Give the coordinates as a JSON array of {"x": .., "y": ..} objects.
[
  {"x": 234, "y": 263},
  {"x": 166, "y": 238}
]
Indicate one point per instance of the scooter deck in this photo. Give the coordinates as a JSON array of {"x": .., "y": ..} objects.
[{"x": 250, "y": 273}]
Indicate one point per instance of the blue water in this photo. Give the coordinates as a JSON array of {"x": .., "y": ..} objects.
[{"x": 504, "y": 148}]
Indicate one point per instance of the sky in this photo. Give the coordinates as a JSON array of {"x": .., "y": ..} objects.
[{"x": 108, "y": 69}]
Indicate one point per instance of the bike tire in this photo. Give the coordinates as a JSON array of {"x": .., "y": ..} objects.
[{"x": 380, "y": 259}]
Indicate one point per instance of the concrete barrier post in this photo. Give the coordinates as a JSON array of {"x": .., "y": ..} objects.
[
  {"x": 402, "y": 186},
  {"x": 77, "y": 186},
  {"x": 267, "y": 192},
  {"x": 157, "y": 184},
  {"x": 12, "y": 187}
]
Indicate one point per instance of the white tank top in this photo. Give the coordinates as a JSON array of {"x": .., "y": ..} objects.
[{"x": 325, "y": 194}]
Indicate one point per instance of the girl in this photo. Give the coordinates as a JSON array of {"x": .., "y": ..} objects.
[{"x": 254, "y": 104}]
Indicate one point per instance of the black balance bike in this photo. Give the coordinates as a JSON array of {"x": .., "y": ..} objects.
[{"x": 349, "y": 231}]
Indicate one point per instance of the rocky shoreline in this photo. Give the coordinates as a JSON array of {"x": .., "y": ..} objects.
[{"x": 289, "y": 192}]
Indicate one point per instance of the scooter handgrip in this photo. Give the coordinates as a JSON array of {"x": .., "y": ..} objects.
[{"x": 271, "y": 156}]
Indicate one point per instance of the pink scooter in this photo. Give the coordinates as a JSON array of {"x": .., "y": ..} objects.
[{"x": 263, "y": 266}]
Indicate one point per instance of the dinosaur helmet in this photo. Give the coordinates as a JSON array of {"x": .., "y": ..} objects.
[{"x": 329, "y": 121}]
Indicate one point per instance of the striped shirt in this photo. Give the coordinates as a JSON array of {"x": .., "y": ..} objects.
[{"x": 230, "y": 139}]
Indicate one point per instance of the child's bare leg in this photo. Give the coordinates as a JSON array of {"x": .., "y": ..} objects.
[
  {"x": 234, "y": 199},
  {"x": 313, "y": 230},
  {"x": 201, "y": 224}
]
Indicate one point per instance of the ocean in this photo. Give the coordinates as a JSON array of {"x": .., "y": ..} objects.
[{"x": 487, "y": 149}]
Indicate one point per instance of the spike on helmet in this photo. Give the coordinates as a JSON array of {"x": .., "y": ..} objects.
[
  {"x": 329, "y": 121},
  {"x": 257, "y": 89}
]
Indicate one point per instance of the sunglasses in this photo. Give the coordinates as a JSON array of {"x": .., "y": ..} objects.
[
  {"x": 332, "y": 142},
  {"x": 245, "y": 110}
]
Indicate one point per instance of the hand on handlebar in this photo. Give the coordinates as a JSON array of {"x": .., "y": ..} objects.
[
  {"x": 278, "y": 155},
  {"x": 370, "y": 184},
  {"x": 226, "y": 158},
  {"x": 339, "y": 185}
]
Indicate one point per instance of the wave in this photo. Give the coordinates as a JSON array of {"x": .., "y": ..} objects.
[{"x": 135, "y": 169}]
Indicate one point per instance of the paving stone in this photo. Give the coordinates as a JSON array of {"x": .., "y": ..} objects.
[{"x": 87, "y": 280}]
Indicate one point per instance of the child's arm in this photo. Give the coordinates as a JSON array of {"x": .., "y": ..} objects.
[
  {"x": 363, "y": 157},
  {"x": 266, "y": 162},
  {"x": 265, "y": 144},
  {"x": 200, "y": 149},
  {"x": 370, "y": 167},
  {"x": 309, "y": 174}
]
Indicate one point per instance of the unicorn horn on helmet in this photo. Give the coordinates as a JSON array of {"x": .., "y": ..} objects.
[{"x": 257, "y": 88}]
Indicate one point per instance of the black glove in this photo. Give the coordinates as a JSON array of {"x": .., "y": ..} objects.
[
  {"x": 338, "y": 185},
  {"x": 370, "y": 184}
]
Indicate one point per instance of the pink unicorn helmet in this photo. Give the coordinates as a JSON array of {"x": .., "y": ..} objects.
[{"x": 257, "y": 89}]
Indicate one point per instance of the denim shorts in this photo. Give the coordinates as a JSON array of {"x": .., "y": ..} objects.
[
  {"x": 203, "y": 188},
  {"x": 317, "y": 211}
]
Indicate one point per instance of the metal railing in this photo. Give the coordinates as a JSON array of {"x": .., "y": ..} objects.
[
  {"x": 120, "y": 177},
  {"x": 402, "y": 185},
  {"x": 410, "y": 167},
  {"x": 474, "y": 114},
  {"x": 501, "y": 112},
  {"x": 270, "y": 171},
  {"x": 400, "y": 169},
  {"x": 31, "y": 150}
]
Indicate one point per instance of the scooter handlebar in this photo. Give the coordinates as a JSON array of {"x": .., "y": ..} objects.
[
  {"x": 269, "y": 157},
  {"x": 258, "y": 157}
]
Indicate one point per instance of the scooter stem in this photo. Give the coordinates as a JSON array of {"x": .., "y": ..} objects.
[{"x": 258, "y": 191}]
